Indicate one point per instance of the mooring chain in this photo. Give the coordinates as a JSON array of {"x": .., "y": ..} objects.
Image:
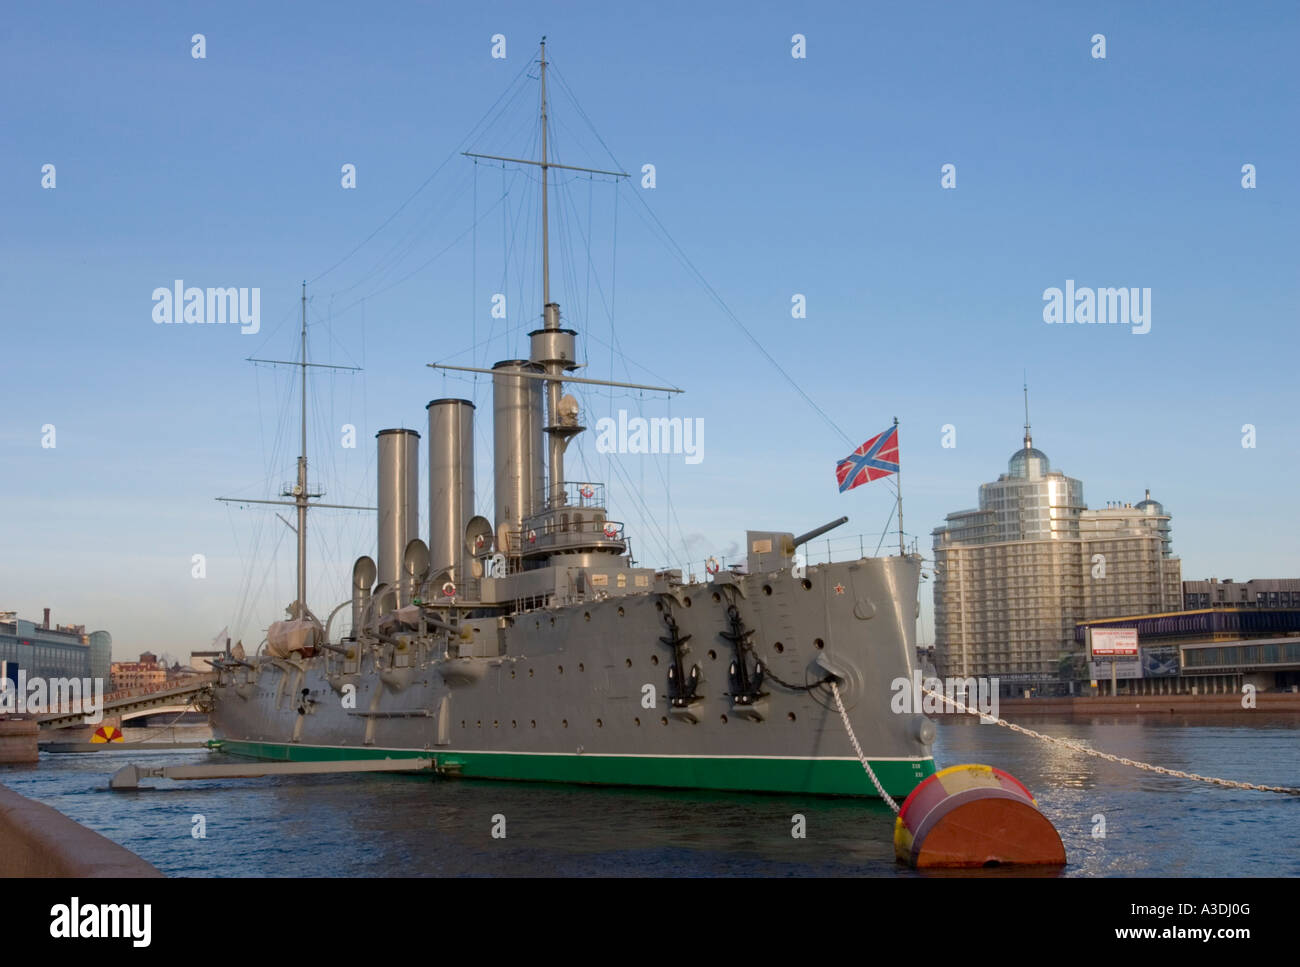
[
  {"x": 1066, "y": 743},
  {"x": 858, "y": 749}
]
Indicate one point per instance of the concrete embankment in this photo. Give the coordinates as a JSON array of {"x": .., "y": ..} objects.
[
  {"x": 18, "y": 740},
  {"x": 1148, "y": 704},
  {"x": 36, "y": 840}
]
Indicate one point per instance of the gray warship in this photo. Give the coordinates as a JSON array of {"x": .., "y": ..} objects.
[{"x": 530, "y": 647}]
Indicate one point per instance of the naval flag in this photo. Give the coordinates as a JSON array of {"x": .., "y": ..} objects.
[{"x": 876, "y": 458}]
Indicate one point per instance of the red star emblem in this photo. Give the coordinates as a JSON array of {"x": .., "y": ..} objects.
[{"x": 839, "y": 589}]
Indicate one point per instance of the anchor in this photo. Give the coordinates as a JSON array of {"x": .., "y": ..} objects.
[
  {"x": 746, "y": 686},
  {"x": 681, "y": 687}
]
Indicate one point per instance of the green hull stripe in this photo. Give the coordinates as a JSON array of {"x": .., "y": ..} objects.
[{"x": 835, "y": 777}]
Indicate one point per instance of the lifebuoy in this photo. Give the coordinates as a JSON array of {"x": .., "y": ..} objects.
[
  {"x": 449, "y": 590},
  {"x": 532, "y": 537},
  {"x": 611, "y": 531},
  {"x": 712, "y": 565},
  {"x": 586, "y": 491}
]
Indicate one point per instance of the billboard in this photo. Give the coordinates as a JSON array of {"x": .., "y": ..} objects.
[
  {"x": 1113, "y": 642},
  {"x": 1126, "y": 666}
]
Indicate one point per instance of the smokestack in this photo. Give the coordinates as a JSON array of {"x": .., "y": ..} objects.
[
  {"x": 451, "y": 483},
  {"x": 517, "y": 447},
  {"x": 46, "y": 626},
  {"x": 399, "y": 500}
]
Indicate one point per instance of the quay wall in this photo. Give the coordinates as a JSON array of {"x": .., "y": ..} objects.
[{"x": 37, "y": 840}]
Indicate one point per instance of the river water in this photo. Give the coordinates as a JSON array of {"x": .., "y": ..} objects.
[{"x": 405, "y": 825}]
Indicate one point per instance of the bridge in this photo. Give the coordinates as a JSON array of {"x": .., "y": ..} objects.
[{"x": 188, "y": 695}]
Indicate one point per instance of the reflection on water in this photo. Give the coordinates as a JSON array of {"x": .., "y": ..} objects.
[{"x": 405, "y": 825}]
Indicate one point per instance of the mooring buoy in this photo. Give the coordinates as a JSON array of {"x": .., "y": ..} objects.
[{"x": 973, "y": 816}]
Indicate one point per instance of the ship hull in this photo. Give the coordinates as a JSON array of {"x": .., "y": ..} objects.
[{"x": 579, "y": 694}]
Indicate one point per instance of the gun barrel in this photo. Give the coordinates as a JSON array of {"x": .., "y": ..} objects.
[{"x": 819, "y": 531}]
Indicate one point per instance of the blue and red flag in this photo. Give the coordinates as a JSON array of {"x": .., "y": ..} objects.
[{"x": 876, "y": 458}]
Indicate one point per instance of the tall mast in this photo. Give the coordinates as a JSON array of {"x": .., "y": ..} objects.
[
  {"x": 300, "y": 491},
  {"x": 546, "y": 235},
  {"x": 552, "y": 346}
]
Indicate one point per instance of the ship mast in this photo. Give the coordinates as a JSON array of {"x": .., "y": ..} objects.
[
  {"x": 546, "y": 234},
  {"x": 298, "y": 491}
]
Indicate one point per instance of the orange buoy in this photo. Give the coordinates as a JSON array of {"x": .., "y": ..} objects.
[
  {"x": 973, "y": 815},
  {"x": 107, "y": 733}
]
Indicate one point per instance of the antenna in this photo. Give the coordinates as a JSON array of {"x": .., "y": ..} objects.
[{"x": 1029, "y": 440}]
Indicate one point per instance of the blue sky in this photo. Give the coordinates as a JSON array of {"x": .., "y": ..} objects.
[{"x": 775, "y": 175}]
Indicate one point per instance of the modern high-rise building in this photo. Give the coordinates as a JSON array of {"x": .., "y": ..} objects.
[{"x": 1014, "y": 576}]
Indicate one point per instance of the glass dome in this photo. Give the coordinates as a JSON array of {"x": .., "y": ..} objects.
[{"x": 1029, "y": 463}]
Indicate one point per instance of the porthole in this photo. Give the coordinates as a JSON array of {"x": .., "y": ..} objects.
[
  {"x": 790, "y": 716},
  {"x": 599, "y": 724},
  {"x": 659, "y": 605},
  {"x": 495, "y": 723},
  {"x": 686, "y": 601},
  {"x": 716, "y": 597},
  {"x": 462, "y": 723},
  {"x": 564, "y": 723},
  {"x": 663, "y": 720},
  {"x": 532, "y": 723},
  {"x": 514, "y": 724},
  {"x": 620, "y": 611},
  {"x": 713, "y": 655},
  {"x": 559, "y": 669},
  {"x": 636, "y": 721},
  {"x": 627, "y": 662},
  {"x": 478, "y": 724},
  {"x": 530, "y": 673},
  {"x": 767, "y": 589},
  {"x": 654, "y": 659},
  {"x": 819, "y": 643},
  {"x": 581, "y": 667},
  {"x": 586, "y": 616},
  {"x": 512, "y": 673},
  {"x": 724, "y": 720},
  {"x": 780, "y": 648},
  {"x": 807, "y": 585}
]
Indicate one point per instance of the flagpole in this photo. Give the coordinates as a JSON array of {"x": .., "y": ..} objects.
[{"x": 899, "y": 475}]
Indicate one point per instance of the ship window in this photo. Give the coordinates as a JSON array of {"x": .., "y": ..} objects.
[
  {"x": 577, "y": 523},
  {"x": 564, "y": 522}
]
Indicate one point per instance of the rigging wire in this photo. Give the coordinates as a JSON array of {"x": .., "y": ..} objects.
[
  {"x": 424, "y": 184},
  {"x": 680, "y": 254}
]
